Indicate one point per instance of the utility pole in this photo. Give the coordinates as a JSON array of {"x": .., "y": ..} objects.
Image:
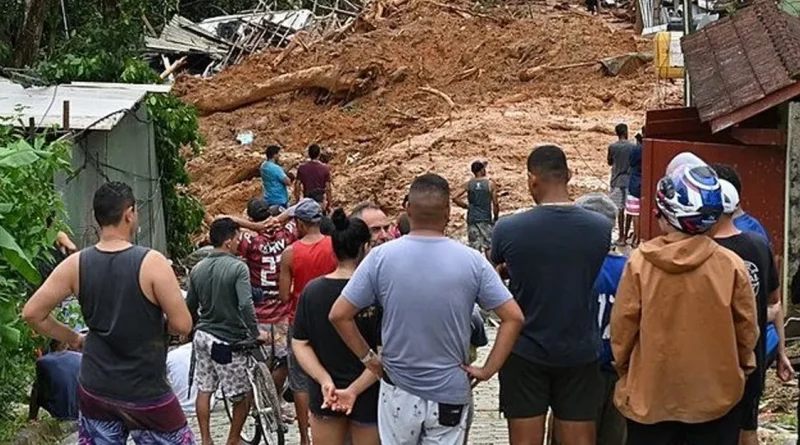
[{"x": 687, "y": 29}]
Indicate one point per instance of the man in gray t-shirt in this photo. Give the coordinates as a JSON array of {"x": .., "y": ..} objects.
[
  {"x": 619, "y": 159},
  {"x": 427, "y": 285}
]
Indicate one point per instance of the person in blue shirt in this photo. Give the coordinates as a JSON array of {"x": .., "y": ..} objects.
[
  {"x": 56, "y": 385},
  {"x": 274, "y": 179},
  {"x": 610, "y": 423}
]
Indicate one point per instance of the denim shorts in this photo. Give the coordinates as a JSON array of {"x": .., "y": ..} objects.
[{"x": 159, "y": 422}]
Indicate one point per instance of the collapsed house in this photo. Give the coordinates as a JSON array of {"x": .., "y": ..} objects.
[{"x": 216, "y": 42}]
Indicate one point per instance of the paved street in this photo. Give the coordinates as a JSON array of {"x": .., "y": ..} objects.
[{"x": 488, "y": 427}]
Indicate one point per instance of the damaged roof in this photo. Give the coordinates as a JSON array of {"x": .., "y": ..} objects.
[
  {"x": 742, "y": 59},
  {"x": 98, "y": 106}
]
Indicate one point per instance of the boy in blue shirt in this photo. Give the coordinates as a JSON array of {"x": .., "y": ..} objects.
[
  {"x": 610, "y": 423},
  {"x": 274, "y": 180}
]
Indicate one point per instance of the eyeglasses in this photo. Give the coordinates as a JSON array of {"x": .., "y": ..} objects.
[{"x": 379, "y": 229}]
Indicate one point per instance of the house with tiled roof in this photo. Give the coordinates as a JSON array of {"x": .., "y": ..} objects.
[{"x": 744, "y": 79}]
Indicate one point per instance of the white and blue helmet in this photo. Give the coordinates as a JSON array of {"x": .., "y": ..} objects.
[{"x": 690, "y": 198}]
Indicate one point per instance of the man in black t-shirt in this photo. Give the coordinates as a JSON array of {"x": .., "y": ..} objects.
[
  {"x": 758, "y": 259},
  {"x": 552, "y": 254}
]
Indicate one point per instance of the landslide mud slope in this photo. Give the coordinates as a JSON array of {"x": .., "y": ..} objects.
[{"x": 380, "y": 141}]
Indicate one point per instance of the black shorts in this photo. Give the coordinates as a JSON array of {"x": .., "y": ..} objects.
[
  {"x": 750, "y": 402},
  {"x": 722, "y": 431},
  {"x": 527, "y": 389}
]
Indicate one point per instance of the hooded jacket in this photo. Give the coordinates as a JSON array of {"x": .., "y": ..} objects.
[{"x": 683, "y": 331}]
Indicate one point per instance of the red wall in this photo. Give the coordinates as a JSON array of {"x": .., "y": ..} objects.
[{"x": 762, "y": 170}]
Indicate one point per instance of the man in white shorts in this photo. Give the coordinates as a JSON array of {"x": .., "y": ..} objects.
[
  {"x": 427, "y": 285},
  {"x": 221, "y": 303}
]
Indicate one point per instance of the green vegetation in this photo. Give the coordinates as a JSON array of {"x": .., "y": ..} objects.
[
  {"x": 30, "y": 215},
  {"x": 104, "y": 45}
]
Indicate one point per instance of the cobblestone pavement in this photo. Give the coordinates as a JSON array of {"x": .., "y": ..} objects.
[{"x": 488, "y": 427}]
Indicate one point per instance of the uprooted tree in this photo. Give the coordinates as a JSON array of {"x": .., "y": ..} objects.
[{"x": 334, "y": 80}]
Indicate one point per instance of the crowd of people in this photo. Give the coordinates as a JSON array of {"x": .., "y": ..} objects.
[{"x": 372, "y": 326}]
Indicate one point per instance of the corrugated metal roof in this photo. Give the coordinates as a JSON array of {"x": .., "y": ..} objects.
[
  {"x": 741, "y": 59},
  {"x": 96, "y": 105},
  {"x": 147, "y": 88}
]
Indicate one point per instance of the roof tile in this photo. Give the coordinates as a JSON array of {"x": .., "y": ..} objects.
[{"x": 742, "y": 58}]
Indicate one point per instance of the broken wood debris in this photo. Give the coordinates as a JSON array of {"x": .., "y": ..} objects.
[
  {"x": 404, "y": 114},
  {"x": 444, "y": 96},
  {"x": 464, "y": 13},
  {"x": 330, "y": 78},
  {"x": 181, "y": 36}
]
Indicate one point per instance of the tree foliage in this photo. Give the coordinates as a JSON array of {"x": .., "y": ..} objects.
[
  {"x": 176, "y": 127},
  {"x": 30, "y": 214}
]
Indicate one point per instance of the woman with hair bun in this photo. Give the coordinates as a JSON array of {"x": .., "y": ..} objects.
[{"x": 344, "y": 394}]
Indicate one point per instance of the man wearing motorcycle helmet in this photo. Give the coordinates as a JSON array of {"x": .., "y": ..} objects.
[{"x": 684, "y": 321}]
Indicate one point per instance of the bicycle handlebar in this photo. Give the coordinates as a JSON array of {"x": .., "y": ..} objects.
[{"x": 247, "y": 345}]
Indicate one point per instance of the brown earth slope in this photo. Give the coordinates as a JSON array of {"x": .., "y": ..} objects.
[{"x": 381, "y": 140}]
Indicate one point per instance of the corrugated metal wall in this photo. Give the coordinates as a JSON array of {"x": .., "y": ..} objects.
[
  {"x": 127, "y": 154},
  {"x": 762, "y": 170}
]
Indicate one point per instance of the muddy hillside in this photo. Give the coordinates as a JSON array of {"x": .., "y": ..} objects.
[{"x": 441, "y": 85}]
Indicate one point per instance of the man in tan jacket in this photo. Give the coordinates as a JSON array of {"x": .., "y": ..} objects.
[{"x": 683, "y": 326}]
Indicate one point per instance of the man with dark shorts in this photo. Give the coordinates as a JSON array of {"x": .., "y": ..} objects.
[
  {"x": 262, "y": 251},
  {"x": 553, "y": 254},
  {"x": 619, "y": 160},
  {"x": 125, "y": 292},
  {"x": 758, "y": 259},
  {"x": 684, "y": 324},
  {"x": 310, "y": 257},
  {"x": 313, "y": 175},
  {"x": 483, "y": 207},
  {"x": 221, "y": 302}
]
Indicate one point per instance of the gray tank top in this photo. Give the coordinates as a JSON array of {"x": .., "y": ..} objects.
[
  {"x": 125, "y": 354},
  {"x": 479, "y": 196}
]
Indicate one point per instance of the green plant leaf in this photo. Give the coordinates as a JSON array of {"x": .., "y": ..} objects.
[
  {"x": 19, "y": 154},
  {"x": 17, "y": 258},
  {"x": 9, "y": 336},
  {"x": 8, "y": 312}
]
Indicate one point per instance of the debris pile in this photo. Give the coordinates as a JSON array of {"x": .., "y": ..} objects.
[{"x": 416, "y": 85}]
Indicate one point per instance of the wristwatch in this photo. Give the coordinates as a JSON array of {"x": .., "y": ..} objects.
[{"x": 368, "y": 357}]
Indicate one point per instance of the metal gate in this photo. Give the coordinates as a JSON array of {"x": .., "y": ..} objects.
[{"x": 762, "y": 170}]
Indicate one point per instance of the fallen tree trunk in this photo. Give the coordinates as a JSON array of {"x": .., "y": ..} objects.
[
  {"x": 612, "y": 66},
  {"x": 330, "y": 78}
]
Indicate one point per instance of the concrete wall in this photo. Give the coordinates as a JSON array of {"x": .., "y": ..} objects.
[
  {"x": 127, "y": 154},
  {"x": 792, "y": 253}
]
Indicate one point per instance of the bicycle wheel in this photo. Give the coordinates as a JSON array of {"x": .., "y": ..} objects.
[
  {"x": 251, "y": 431},
  {"x": 267, "y": 406}
]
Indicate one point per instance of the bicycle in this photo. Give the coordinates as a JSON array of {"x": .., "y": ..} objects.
[{"x": 264, "y": 423}]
